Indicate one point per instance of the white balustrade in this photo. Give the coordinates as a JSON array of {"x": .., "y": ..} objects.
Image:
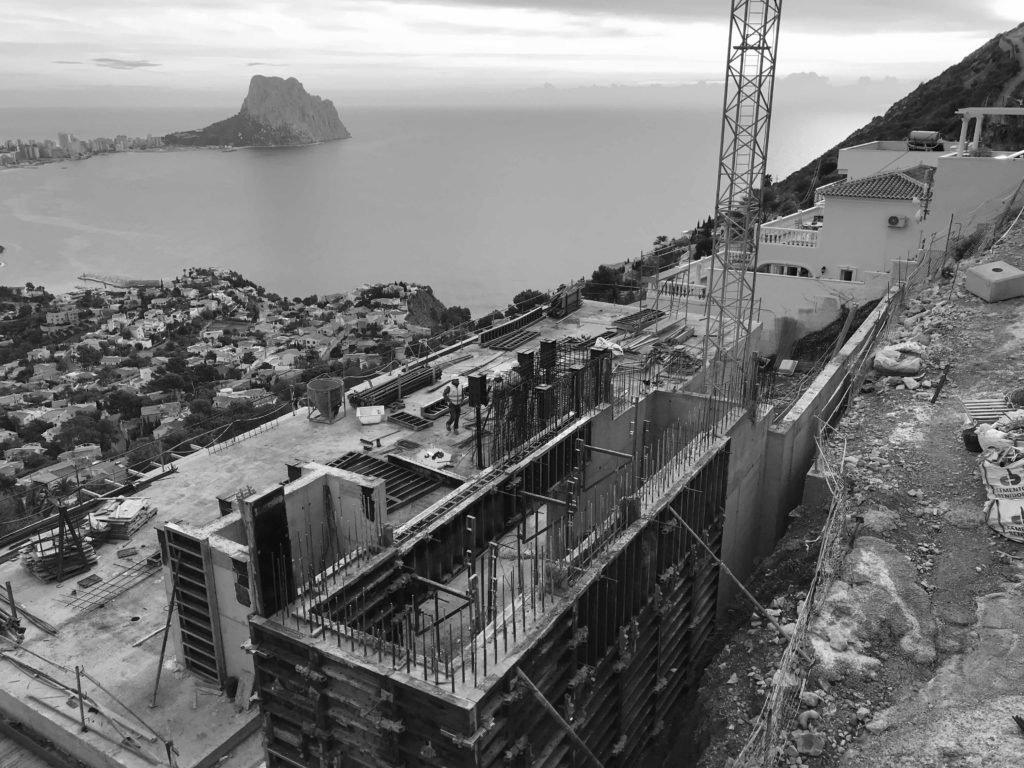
[{"x": 803, "y": 238}]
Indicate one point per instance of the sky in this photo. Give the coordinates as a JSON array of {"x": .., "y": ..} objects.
[{"x": 106, "y": 51}]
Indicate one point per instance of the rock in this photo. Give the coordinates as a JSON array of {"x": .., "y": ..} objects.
[
  {"x": 809, "y": 699},
  {"x": 807, "y": 743},
  {"x": 881, "y": 520},
  {"x": 894, "y": 362},
  {"x": 910, "y": 383},
  {"x": 733, "y": 679},
  {"x": 275, "y": 112},
  {"x": 876, "y": 726},
  {"x": 965, "y": 517},
  {"x": 956, "y": 615},
  {"x": 877, "y": 600},
  {"x": 863, "y": 713},
  {"x": 805, "y": 718},
  {"x": 783, "y": 679}
]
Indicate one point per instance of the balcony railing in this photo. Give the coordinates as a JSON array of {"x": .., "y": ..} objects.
[{"x": 803, "y": 238}]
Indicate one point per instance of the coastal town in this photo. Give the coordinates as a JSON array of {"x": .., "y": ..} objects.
[
  {"x": 99, "y": 382},
  {"x": 69, "y": 147}
]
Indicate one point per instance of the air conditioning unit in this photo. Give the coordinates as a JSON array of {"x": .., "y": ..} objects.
[{"x": 897, "y": 221}]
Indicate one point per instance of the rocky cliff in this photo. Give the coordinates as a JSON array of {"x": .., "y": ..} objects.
[{"x": 275, "y": 112}]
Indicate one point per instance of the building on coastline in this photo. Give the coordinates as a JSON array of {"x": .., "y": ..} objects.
[{"x": 896, "y": 206}]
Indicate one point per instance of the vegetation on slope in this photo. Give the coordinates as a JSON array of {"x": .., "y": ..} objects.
[{"x": 978, "y": 80}]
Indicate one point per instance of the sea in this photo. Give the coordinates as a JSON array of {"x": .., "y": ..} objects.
[{"x": 478, "y": 202}]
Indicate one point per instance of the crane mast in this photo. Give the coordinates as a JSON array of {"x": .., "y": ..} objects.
[{"x": 742, "y": 164}]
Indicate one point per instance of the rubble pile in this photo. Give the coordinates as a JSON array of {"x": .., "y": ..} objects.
[{"x": 922, "y": 340}]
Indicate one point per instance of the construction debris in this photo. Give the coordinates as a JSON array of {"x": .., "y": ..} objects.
[
  {"x": 122, "y": 518},
  {"x": 58, "y": 553},
  {"x": 10, "y": 626}
]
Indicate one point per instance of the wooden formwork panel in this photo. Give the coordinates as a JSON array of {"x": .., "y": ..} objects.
[
  {"x": 551, "y": 667},
  {"x": 432, "y": 719},
  {"x": 600, "y": 709},
  {"x": 302, "y": 689}
]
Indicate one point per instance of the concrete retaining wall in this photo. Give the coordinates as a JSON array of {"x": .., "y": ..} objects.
[{"x": 790, "y": 446}]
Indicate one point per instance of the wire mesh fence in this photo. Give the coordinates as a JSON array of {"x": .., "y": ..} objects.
[{"x": 765, "y": 745}]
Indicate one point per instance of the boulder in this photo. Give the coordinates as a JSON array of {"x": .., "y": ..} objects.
[
  {"x": 809, "y": 743},
  {"x": 900, "y": 359},
  {"x": 876, "y": 601}
]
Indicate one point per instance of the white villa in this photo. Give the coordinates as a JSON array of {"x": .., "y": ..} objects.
[{"x": 895, "y": 206}]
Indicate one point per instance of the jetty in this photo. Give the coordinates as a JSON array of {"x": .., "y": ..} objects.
[{"x": 118, "y": 281}]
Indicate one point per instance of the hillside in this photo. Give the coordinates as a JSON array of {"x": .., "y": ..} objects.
[{"x": 991, "y": 75}]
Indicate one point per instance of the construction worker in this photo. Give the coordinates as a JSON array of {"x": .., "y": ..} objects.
[{"x": 453, "y": 396}]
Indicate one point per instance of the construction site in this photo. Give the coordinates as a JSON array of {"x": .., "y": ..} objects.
[{"x": 358, "y": 584}]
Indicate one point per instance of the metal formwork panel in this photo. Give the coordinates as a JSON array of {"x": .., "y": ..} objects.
[{"x": 196, "y": 607}]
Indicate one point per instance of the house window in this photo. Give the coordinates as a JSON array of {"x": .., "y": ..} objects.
[
  {"x": 791, "y": 270},
  {"x": 846, "y": 273}
]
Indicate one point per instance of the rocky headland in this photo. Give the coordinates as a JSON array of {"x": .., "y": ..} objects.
[{"x": 276, "y": 112}]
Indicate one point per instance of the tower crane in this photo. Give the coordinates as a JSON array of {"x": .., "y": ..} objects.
[{"x": 742, "y": 163}]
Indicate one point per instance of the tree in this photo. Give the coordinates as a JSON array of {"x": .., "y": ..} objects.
[
  {"x": 526, "y": 300},
  {"x": 126, "y": 403},
  {"x": 704, "y": 246},
  {"x": 248, "y": 358},
  {"x": 201, "y": 406},
  {"x": 168, "y": 380},
  {"x": 33, "y": 431},
  {"x": 86, "y": 428},
  {"x": 88, "y": 356},
  {"x": 455, "y": 315}
]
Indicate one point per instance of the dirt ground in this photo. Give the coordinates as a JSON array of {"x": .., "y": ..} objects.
[{"x": 920, "y": 659}]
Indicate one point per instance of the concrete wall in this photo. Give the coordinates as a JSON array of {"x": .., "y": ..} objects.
[
  {"x": 790, "y": 446},
  {"x": 59, "y": 732},
  {"x": 811, "y": 303},
  {"x": 310, "y": 522},
  {"x": 232, "y": 615},
  {"x": 973, "y": 190},
  {"x": 878, "y": 156},
  {"x": 750, "y": 528},
  {"x": 856, "y": 234}
]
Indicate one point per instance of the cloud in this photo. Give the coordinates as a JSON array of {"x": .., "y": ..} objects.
[
  {"x": 124, "y": 63},
  {"x": 802, "y": 15},
  {"x": 58, "y": 61},
  {"x": 262, "y": 64}
]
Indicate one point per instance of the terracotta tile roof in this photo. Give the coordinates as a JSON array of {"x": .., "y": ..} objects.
[{"x": 894, "y": 185}]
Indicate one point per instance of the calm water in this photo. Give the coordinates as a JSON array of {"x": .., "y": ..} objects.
[{"x": 479, "y": 203}]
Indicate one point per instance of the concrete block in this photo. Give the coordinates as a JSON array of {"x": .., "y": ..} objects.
[
  {"x": 817, "y": 494},
  {"x": 995, "y": 281}
]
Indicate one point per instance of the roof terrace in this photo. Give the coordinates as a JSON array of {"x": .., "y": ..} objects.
[{"x": 112, "y": 628}]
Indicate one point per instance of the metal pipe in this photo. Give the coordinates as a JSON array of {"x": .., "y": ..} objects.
[{"x": 542, "y": 699}]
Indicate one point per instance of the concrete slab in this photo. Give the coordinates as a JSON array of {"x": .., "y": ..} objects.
[
  {"x": 995, "y": 281},
  {"x": 119, "y": 643}
]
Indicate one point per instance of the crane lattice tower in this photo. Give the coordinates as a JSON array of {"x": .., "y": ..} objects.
[{"x": 742, "y": 164}]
